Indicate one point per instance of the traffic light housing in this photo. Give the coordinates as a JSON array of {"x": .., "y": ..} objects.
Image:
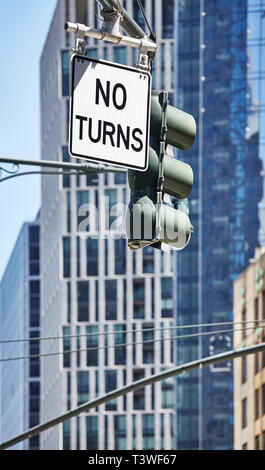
[{"x": 149, "y": 220}]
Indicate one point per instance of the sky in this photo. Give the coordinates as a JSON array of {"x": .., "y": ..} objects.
[{"x": 24, "y": 27}]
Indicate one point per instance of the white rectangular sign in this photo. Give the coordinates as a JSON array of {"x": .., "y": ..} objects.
[{"x": 110, "y": 113}]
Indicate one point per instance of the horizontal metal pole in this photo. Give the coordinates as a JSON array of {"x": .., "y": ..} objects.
[
  {"x": 122, "y": 40},
  {"x": 226, "y": 356},
  {"x": 86, "y": 167},
  {"x": 127, "y": 23}
]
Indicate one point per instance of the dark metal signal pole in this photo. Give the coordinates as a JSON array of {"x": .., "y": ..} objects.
[
  {"x": 173, "y": 372},
  {"x": 127, "y": 23}
]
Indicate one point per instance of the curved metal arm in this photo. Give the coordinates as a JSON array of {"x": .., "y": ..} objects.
[
  {"x": 10, "y": 172},
  {"x": 25, "y": 173}
]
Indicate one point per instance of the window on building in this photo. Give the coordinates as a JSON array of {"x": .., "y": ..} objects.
[
  {"x": 92, "y": 256},
  {"x": 82, "y": 200},
  {"x": 66, "y": 346},
  {"x": 120, "y": 256},
  {"x": 68, "y": 214},
  {"x": 78, "y": 257},
  {"x": 120, "y": 432},
  {"x": 81, "y": 11},
  {"x": 139, "y": 394},
  {"x": 256, "y": 442},
  {"x": 96, "y": 300},
  {"x": 92, "y": 178},
  {"x": 34, "y": 350},
  {"x": 256, "y": 363},
  {"x": 111, "y": 384},
  {"x": 244, "y": 369},
  {"x": 134, "y": 432},
  {"x": 67, "y": 105},
  {"x": 69, "y": 302},
  {"x": 148, "y": 259},
  {"x": 245, "y": 446},
  {"x": 83, "y": 301},
  {"x": 82, "y": 386},
  {"x": 110, "y": 201},
  {"x": 148, "y": 344},
  {"x": 257, "y": 404},
  {"x": 120, "y": 338},
  {"x": 68, "y": 390},
  {"x": 66, "y": 257},
  {"x": 34, "y": 303},
  {"x": 167, "y": 388},
  {"x": 78, "y": 346},
  {"x": 65, "y": 72},
  {"x": 244, "y": 413},
  {"x": 148, "y": 430},
  {"x": 263, "y": 305},
  {"x": 34, "y": 250},
  {"x": 92, "y": 432},
  {"x": 34, "y": 443},
  {"x": 168, "y": 19},
  {"x": 66, "y": 158},
  {"x": 163, "y": 47},
  {"x": 256, "y": 309},
  {"x": 120, "y": 178},
  {"x": 119, "y": 54},
  {"x": 92, "y": 53},
  {"x": 263, "y": 399},
  {"x": 34, "y": 404},
  {"x": 111, "y": 299},
  {"x": 138, "y": 298},
  {"x": 92, "y": 342},
  {"x": 166, "y": 297},
  {"x": 78, "y": 433},
  {"x": 244, "y": 317}
]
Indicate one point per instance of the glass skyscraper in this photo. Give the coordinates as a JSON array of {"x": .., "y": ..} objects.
[
  {"x": 20, "y": 319},
  {"x": 214, "y": 84}
]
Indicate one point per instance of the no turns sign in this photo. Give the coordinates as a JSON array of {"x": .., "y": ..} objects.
[{"x": 109, "y": 113}]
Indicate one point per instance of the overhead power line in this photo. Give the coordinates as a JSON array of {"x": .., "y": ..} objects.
[
  {"x": 152, "y": 36},
  {"x": 120, "y": 345},
  {"x": 145, "y": 330},
  {"x": 173, "y": 372}
]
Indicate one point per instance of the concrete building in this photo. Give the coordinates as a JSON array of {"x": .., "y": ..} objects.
[
  {"x": 210, "y": 63},
  {"x": 91, "y": 283},
  {"x": 20, "y": 319},
  {"x": 249, "y": 371}
]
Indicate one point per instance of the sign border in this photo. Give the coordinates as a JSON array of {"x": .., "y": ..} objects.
[{"x": 120, "y": 66}]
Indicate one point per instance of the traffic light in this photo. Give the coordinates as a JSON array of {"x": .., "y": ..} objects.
[{"x": 149, "y": 219}]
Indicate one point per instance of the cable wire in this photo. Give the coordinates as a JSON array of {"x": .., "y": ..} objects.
[
  {"x": 145, "y": 330},
  {"x": 152, "y": 35},
  {"x": 119, "y": 345}
]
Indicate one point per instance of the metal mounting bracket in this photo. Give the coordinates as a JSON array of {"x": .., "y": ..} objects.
[
  {"x": 80, "y": 39},
  {"x": 111, "y": 24},
  {"x": 144, "y": 59}
]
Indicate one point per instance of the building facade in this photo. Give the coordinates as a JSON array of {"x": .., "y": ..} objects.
[
  {"x": 20, "y": 319},
  {"x": 217, "y": 81},
  {"x": 96, "y": 293},
  {"x": 249, "y": 371},
  {"x": 211, "y": 66}
]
